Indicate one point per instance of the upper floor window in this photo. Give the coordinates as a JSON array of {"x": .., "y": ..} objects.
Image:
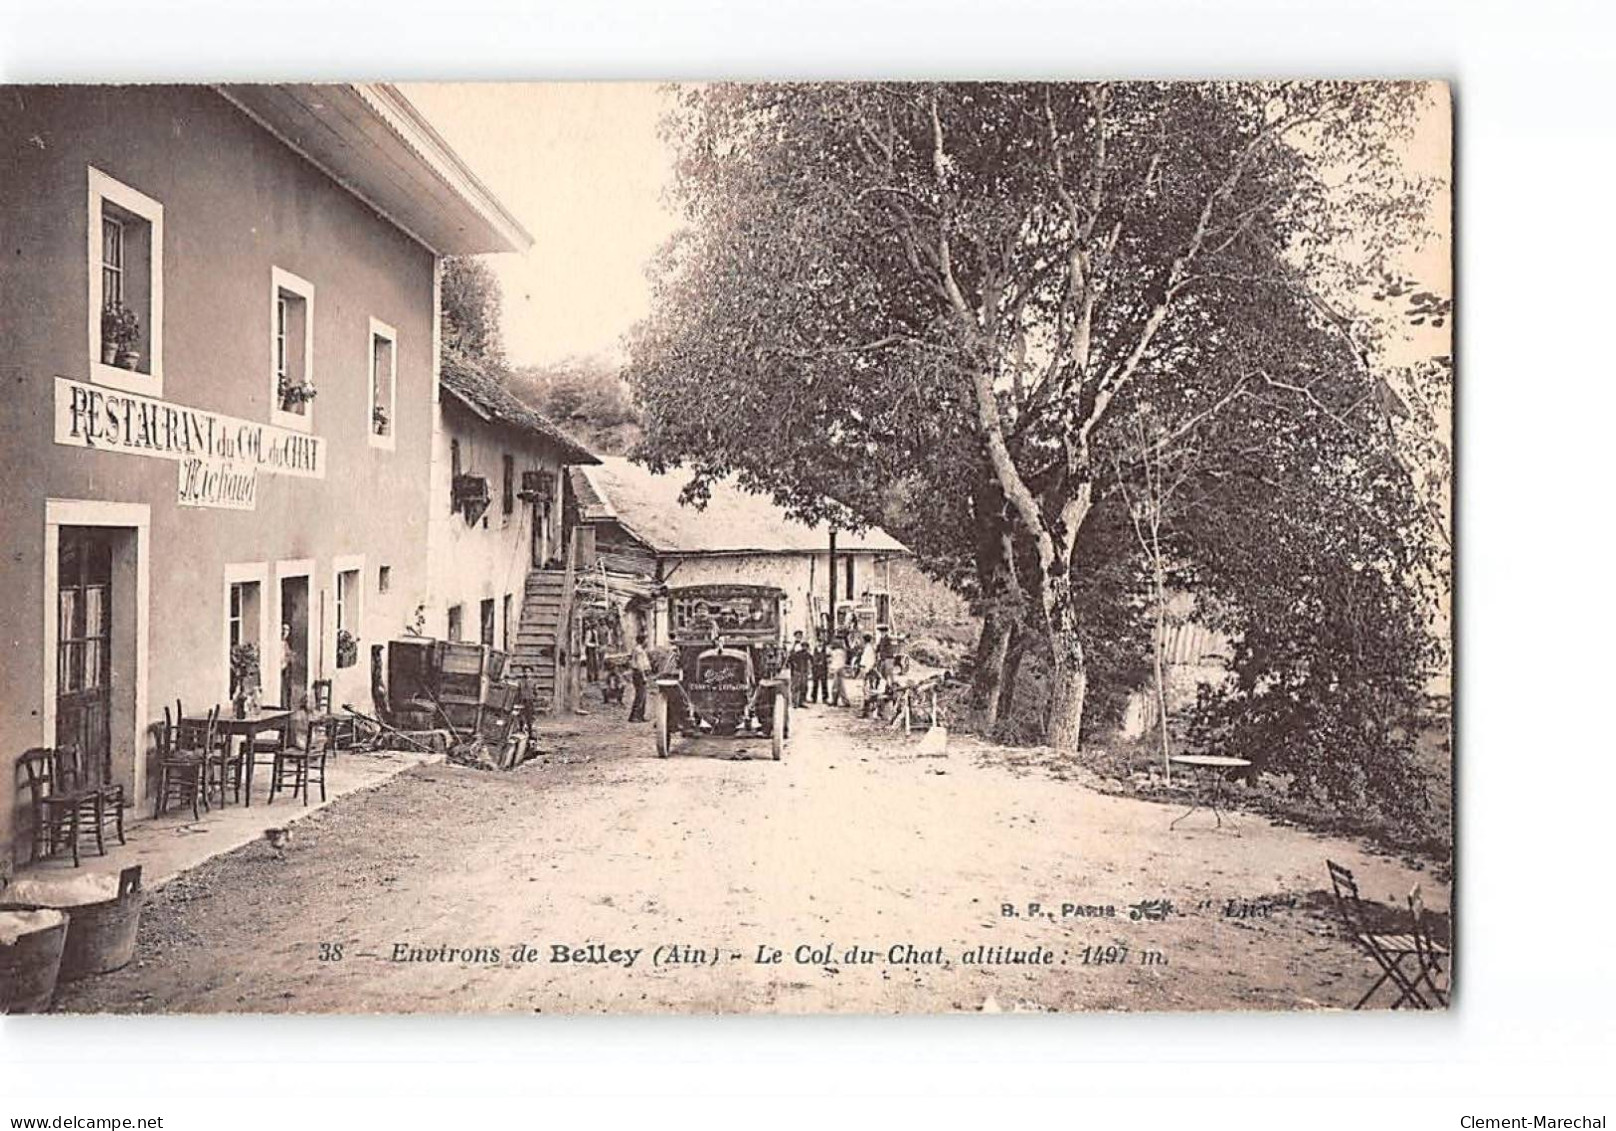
[
  {"x": 291, "y": 350},
  {"x": 454, "y": 471},
  {"x": 383, "y": 383},
  {"x": 507, "y": 498},
  {"x": 125, "y": 286},
  {"x": 486, "y": 622}
]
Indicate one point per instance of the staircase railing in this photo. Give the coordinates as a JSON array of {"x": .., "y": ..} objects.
[{"x": 566, "y": 691}]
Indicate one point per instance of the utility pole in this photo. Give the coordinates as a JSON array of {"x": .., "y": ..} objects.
[{"x": 830, "y": 626}]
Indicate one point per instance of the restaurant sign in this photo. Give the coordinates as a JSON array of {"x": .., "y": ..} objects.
[{"x": 222, "y": 452}]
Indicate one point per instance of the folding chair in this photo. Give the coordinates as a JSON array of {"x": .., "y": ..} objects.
[
  {"x": 1427, "y": 952},
  {"x": 1388, "y": 951}
]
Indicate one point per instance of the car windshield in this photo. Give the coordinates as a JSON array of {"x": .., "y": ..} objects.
[{"x": 698, "y": 614}]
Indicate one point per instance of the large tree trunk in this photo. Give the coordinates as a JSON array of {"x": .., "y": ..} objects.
[
  {"x": 1068, "y": 675},
  {"x": 1068, "y": 687},
  {"x": 993, "y": 581},
  {"x": 1012, "y": 670},
  {"x": 987, "y": 677}
]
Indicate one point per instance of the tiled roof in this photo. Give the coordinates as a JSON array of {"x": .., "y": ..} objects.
[
  {"x": 734, "y": 521},
  {"x": 484, "y": 394}
]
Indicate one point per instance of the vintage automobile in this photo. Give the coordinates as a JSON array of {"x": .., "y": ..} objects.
[{"x": 724, "y": 679}]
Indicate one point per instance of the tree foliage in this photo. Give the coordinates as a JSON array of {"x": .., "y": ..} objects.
[
  {"x": 978, "y": 300},
  {"x": 587, "y": 397},
  {"x": 471, "y": 310}
]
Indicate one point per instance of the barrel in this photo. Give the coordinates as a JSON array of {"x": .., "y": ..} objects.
[
  {"x": 100, "y": 935},
  {"x": 29, "y": 965}
]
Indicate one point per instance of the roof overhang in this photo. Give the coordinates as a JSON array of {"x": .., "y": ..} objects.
[
  {"x": 370, "y": 139},
  {"x": 573, "y": 454},
  {"x": 778, "y": 552}
]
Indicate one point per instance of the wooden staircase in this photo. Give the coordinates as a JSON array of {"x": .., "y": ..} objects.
[{"x": 534, "y": 658}]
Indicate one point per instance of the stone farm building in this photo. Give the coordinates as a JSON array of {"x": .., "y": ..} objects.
[
  {"x": 634, "y": 529},
  {"x": 223, "y": 411}
]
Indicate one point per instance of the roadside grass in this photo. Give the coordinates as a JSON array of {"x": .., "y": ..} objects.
[{"x": 1112, "y": 763}]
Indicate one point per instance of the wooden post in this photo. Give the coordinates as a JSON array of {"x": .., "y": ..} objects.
[
  {"x": 570, "y": 691},
  {"x": 831, "y": 623}
]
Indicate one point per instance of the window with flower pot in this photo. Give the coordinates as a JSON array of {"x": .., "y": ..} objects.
[
  {"x": 383, "y": 383},
  {"x": 348, "y": 613},
  {"x": 125, "y": 286},
  {"x": 244, "y": 644},
  {"x": 246, "y": 629},
  {"x": 291, "y": 350}
]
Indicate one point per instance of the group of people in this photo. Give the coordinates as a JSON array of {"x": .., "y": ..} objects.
[
  {"x": 597, "y": 669},
  {"x": 819, "y": 673}
]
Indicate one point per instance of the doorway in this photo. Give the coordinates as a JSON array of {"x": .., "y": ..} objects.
[
  {"x": 84, "y": 642},
  {"x": 541, "y": 533},
  {"x": 294, "y": 638},
  {"x": 97, "y": 611}
]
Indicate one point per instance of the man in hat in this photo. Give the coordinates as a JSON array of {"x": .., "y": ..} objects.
[
  {"x": 885, "y": 651},
  {"x": 639, "y": 669},
  {"x": 800, "y": 661},
  {"x": 819, "y": 689}
]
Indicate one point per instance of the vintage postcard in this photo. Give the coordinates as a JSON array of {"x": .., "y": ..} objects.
[{"x": 726, "y": 548}]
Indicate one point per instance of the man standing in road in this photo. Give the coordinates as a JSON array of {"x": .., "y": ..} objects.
[
  {"x": 819, "y": 690},
  {"x": 639, "y": 667},
  {"x": 838, "y": 676},
  {"x": 885, "y": 651},
  {"x": 801, "y": 662},
  {"x": 592, "y": 653}
]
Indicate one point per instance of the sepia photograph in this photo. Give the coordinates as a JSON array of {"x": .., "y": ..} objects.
[{"x": 730, "y": 547}]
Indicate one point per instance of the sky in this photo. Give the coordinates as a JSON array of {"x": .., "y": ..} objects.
[{"x": 581, "y": 165}]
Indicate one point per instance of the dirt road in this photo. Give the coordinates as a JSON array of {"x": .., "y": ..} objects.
[{"x": 856, "y": 875}]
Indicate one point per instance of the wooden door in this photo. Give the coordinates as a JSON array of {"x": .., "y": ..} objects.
[
  {"x": 541, "y": 533},
  {"x": 84, "y": 646},
  {"x": 294, "y": 641}
]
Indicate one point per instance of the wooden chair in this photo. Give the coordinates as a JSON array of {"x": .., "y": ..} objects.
[
  {"x": 266, "y": 748},
  {"x": 61, "y": 815},
  {"x": 1389, "y": 951},
  {"x": 226, "y": 765},
  {"x": 344, "y": 728},
  {"x": 184, "y": 750},
  {"x": 301, "y": 767},
  {"x": 73, "y": 776},
  {"x": 1427, "y": 952}
]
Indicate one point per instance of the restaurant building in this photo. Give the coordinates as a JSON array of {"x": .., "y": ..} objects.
[{"x": 220, "y": 308}]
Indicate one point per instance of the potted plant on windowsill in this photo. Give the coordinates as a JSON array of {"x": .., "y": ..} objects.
[
  {"x": 120, "y": 333},
  {"x": 347, "y": 648},
  {"x": 378, "y": 420},
  {"x": 294, "y": 394},
  {"x": 243, "y": 676}
]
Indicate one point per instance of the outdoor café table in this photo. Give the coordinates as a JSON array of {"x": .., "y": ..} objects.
[
  {"x": 1215, "y": 761},
  {"x": 267, "y": 718}
]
